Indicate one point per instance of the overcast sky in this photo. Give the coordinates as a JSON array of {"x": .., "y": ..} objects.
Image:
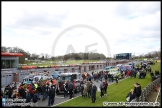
[{"x": 127, "y": 27}]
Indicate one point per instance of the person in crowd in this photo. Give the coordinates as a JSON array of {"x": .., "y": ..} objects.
[
  {"x": 6, "y": 91},
  {"x": 93, "y": 92},
  {"x": 85, "y": 91},
  {"x": 10, "y": 91},
  {"x": 35, "y": 86},
  {"x": 51, "y": 95},
  {"x": 83, "y": 76},
  {"x": 82, "y": 82},
  {"x": 89, "y": 77},
  {"x": 135, "y": 72},
  {"x": 39, "y": 92},
  {"x": 101, "y": 89},
  {"x": 151, "y": 74},
  {"x": 32, "y": 86},
  {"x": 82, "y": 89},
  {"x": 105, "y": 75},
  {"x": 99, "y": 75},
  {"x": 22, "y": 92},
  {"x": 70, "y": 88},
  {"x": 14, "y": 94},
  {"x": 117, "y": 78},
  {"x": 74, "y": 87},
  {"x": 43, "y": 89},
  {"x": 15, "y": 86},
  {"x": 92, "y": 73},
  {"x": 138, "y": 73},
  {"x": 123, "y": 72},
  {"x": 28, "y": 97},
  {"x": 131, "y": 73},
  {"x": 54, "y": 82},
  {"x": 65, "y": 89},
  {"x": 50, "y": 83},
  {"x": 109, "y": 77},
  {"x": 105, "y": 87},
  {"x": 47, "y": 90},
  {"x": 89, "y": 88},
  {"x": 131, "y": 95},
  {"x": 128, "y": 73},
  {"x": 35, "y": 98},
  {"x": 137, "y": 90},
  {"x": 112, "y": 78}
]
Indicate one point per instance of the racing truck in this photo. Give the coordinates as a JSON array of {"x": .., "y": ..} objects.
[{"x": 70, "y": 76}]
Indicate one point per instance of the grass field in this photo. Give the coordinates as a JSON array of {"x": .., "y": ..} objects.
[
  {"x": 48, "y": 63},
  {"x": 116, "y": 93}
]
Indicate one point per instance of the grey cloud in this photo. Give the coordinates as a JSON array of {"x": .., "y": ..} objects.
[
  {"x": 122, "y": 9},
  {"x": 150, "y": 34},
  {"x": 125, "y": 9},
  {"x": 29, "y": 21}
]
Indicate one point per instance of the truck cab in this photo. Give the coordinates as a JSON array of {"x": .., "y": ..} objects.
[
  {"x": 109, "y": 67},
  {"x": 35, "y": 78},
  {"x": 70, "y": 76},
  {"x": 115, "y": 72}
]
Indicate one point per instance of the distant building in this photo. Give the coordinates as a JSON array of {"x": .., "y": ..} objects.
[
  {"x": 123, "y": 56},
  {"x": 10, "y": 60}
]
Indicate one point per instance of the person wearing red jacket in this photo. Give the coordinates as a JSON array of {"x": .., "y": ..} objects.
[
  {"x": 105, "y": 87},
  {"x": 128, "y": 73}
]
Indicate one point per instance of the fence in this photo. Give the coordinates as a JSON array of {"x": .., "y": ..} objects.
[{"x": 147, "y": 91}]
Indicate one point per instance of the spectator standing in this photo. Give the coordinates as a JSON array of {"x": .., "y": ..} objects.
[
  {"x": 93, "y": 92},
  {"x": 70, "y": 88},
  {"x": 105, "y": 87},
  {"x": 35, "y": 98},
  {"x": 101, "y": 89}
]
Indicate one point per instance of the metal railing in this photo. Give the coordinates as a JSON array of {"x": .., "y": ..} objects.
[
  {"x": 159, "y": 94},
  {"x": 147, "y": 91}
]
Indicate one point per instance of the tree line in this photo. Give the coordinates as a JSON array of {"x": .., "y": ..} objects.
[
  {"x": 70, "y": 56},
  {"x": 80, "y": 56},
  {"x": 42, "y": 56},
  {"x": 152, "y": 54}
]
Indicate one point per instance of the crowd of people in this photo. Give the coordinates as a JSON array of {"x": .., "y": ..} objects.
[
  {"x": 124, "y": 74},
  {"x": 35, "y": 92},
  {"x": 30, "y": 92}
]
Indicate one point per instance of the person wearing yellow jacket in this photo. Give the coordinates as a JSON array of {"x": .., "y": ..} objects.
[{"x": 36, "y": 85}]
